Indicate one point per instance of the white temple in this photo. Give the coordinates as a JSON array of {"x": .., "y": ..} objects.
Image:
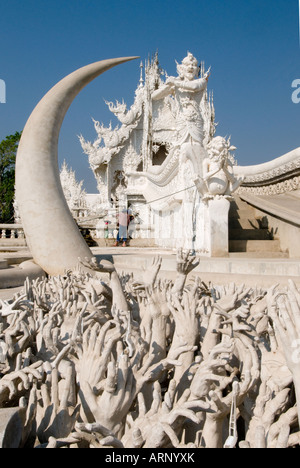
[
  {"x": 165, "y": 162},
  {"x": 73, "y": 190}
]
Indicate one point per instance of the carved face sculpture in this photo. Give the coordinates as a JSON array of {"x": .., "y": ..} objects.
[
  {"x": 216, "y": 146},
  {"x": 188, "y": 69},
  {"x": 218, "y": 149}
]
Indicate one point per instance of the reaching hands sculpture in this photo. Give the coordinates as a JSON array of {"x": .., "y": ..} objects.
[{"x": 124, "y": 362}]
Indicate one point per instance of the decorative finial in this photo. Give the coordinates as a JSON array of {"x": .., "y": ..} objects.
[{"x": 141, "y": 75}]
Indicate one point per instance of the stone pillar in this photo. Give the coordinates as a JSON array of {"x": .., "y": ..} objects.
[
  {"x": 100, "y": 229},
  {"x": 218, "y": 210},
  {"x": 212, "y": 227}
]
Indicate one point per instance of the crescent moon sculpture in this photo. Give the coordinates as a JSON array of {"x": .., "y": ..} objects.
[{"x": 52, "y": 235}]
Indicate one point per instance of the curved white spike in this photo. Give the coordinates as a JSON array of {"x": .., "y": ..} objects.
[{"x": 53, "y": 238}]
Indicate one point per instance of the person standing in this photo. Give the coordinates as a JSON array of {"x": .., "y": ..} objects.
[{"x": 123, "y": 222}]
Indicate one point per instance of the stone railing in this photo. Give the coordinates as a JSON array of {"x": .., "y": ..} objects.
[
  {"x": 273, "y": 189},
  {"x": 12, "y": 232},
  {"x": 287, "y": 185},
  {"x": 278, "y": 176}
]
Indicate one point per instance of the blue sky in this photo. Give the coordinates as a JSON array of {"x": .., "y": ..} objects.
[{"x": 252, "y": 47}]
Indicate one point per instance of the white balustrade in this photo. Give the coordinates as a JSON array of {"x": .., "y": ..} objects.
[{"x": 11, "y": 231}]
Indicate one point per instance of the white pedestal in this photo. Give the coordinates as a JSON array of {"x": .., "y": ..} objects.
[
  {"x": 218, "y": 214},
  {"x": 212, "y": 228}
]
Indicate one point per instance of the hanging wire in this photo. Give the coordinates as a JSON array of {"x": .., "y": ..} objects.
[{"x": 170, "y": 195}]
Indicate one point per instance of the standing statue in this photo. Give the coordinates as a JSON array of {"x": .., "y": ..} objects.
[{"x": 188, "y": 91}]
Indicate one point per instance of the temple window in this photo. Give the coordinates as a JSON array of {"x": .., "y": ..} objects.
[{"x": 159, "y": 154}]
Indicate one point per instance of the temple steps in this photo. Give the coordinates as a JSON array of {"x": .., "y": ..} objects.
[
  {"x": 249, "y": 245},
  {"x": 255, "y": 254},
  {"x": 249, "y": 234}
]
